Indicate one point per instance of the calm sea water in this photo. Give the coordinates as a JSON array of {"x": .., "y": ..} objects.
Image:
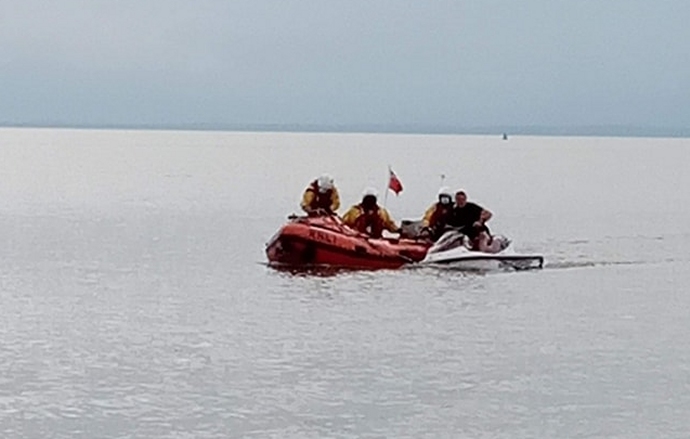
[{"x": 135, "y": 301}]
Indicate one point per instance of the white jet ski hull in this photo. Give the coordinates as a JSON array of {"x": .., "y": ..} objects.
[
  {"x": 452, "y": 250},
  {"x": 478, "y": 261}
]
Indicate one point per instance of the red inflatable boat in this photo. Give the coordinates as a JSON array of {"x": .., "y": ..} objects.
[{"x": 326, "y": 241}]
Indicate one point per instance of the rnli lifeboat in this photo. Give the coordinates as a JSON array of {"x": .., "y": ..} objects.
[{"x": 326, "y": 241}]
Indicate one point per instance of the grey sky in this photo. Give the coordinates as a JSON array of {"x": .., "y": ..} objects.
[{"x": 454, "y": 63}]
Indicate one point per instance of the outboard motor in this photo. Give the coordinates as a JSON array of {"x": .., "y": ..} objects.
[{"x": 411, "y": 229}]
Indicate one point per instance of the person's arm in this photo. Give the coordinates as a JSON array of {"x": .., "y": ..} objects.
[
  {"x": 485, "y": 216},
  {"x": 350, "y": 216},
  {"x": 388, "y": 222},
  {"x": 307, "y": 199},
  {"x": 426, "y": 221},
  {"x": 335, "y": 200}
]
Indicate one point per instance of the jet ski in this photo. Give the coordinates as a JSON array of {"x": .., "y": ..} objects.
[{"x": 454, "y": 250}]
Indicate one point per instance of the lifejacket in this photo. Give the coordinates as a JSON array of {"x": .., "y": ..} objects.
[
  {"x": 321, "y": 200},
  {"x": 441, "y": 216},
  {"x": 369, "y": 222}
]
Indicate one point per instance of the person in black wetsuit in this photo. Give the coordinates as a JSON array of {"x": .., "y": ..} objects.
[{"x": 470, "y": 216}]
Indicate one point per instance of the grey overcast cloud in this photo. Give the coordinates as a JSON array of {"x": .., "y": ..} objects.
[{"x": 434, "y": 64}]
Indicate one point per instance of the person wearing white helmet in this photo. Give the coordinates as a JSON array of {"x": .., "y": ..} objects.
[
  {"x": 368, "y": 217},
  {"x": 321, "y": 197},
  {"x": 440, "y": 214}
]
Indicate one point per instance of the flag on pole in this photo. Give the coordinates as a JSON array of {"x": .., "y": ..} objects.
[{"x": 394, "y": 183}]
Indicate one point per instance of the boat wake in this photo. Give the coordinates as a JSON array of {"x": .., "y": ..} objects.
[{"x": 562, "y": 265}]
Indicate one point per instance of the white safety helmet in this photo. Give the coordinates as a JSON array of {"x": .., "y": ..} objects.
[
  {"x": 445, "y": 196},
  {"x": 324, "y": 183},
  {"x": 370, "y": 192}
]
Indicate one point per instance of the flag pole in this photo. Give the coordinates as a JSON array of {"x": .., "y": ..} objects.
[{"x": 385, "y": 197}]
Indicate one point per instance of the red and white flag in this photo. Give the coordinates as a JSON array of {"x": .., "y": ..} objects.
[{"x": 394, "y": 183}]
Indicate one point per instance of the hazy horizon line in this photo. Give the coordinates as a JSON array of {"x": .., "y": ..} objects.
[{"x": 499, "y": 130}]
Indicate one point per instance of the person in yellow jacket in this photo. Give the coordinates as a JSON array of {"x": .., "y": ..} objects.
[
  {"x": 370, "y": 218},
  {"x": 321, "y": 197},
  {"x": 440, "y": 214}
]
